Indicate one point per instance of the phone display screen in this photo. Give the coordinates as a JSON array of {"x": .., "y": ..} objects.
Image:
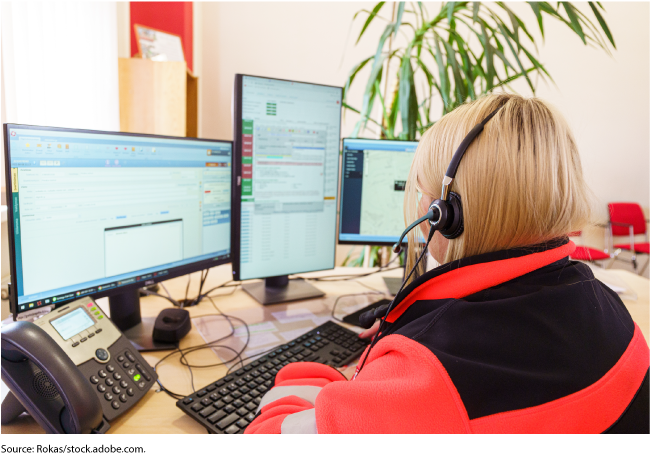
[{"x": 72, "y": 323}]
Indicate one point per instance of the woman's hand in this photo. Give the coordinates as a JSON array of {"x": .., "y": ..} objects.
[{"x": 368, "y": 333}]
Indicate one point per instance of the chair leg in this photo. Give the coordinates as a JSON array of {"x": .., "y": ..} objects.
[{"x": 644, "y": 266}]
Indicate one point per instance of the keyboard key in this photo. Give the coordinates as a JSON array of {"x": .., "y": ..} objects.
[
  {"x": 242, "y": 423},
  {"x": 211, "y": 387},
  {"x": 228, "y": 378},
  {"x": 268, "y": 383},
  {"x": 187, "y": 400},
  {"x": 207, "y": 411},
  {"x": 232, "y": 387},
  {"x": 224, "y": 391},
  {"x": 262, "y": 389},
  {"x": 257, "y": 400},
  {"x": 229, "y": 408},
  {"x": 196, "y": 407},
  {"x": 228, "y": 399},
  {"x": 251, "y": 385},
  {"x": 214, "y": 396},
  {"x": 255, "y": 393},
  {"x": 217, "y": 416},
  {"x": 252, "y": 406},
  {"x": 238, "y": 403},
  {"x": 267, "y": 376},
  {"x": 206, "y": 401},
  {"x": 236, "y": 394},
  {"x": 202, "y": 393},
  {"x": 219, "y": 404},
  {"x": 240, "y": 382},
  {"x": 263, "y": 369},
  {"x": 250, "y": 417},
  {"x": 244, "y": 389},
  {"x": 239, "y": 373},
  {"x": 246, "y": 398},
  {"x": 242, "y": 411},
  {"x": 227, "y": 421},
  {"x": 335, "y": 353},
  {"x": 233, "y": 429},
  {"x": 269, "y": 365},
  {"x": 220, "y": 383}
]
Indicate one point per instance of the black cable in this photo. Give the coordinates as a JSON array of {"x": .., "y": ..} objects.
[
  {"x": 348, "y": 295},
  {"x": 390, "y": 306},
  {"x": 335, "y": 278},
  {"x": 211, "y": 344}
]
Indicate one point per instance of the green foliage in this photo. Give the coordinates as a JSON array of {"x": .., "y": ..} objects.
[{"x": 467, "y": 49}]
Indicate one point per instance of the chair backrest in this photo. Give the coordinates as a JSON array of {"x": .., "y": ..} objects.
[{"x": 630, "y": 213}]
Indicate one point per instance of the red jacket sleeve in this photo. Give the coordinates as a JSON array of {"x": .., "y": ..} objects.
[{"x": 403, "y": 388}]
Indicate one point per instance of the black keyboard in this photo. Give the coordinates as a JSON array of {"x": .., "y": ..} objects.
[{"x": 228, "y": 405}]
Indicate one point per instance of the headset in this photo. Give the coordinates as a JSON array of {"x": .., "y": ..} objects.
[{"x": 445, "y": 215}]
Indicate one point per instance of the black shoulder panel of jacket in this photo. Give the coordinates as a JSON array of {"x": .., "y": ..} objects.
[{"x": 534, "y": 339}]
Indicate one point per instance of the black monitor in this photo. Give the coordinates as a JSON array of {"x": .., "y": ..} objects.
[
  {"x": 372, "y": 190},
  {"x": 372, "y": 193},
  {"x": 103, "y": 214},
  {"x": 286, "y": 166}
]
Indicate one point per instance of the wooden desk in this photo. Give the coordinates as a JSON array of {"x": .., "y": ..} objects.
[{"x": 157, "y": 412}]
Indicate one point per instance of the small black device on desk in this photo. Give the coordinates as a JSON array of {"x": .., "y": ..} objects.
[
  {"x": 72, "y": 370},
  {"x": 228, "y": 405}
]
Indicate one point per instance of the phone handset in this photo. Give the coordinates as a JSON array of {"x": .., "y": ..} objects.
[{"x": 46, "y": 383}]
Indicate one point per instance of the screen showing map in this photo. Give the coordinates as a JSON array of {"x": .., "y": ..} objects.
[{"x": 372, "y": 189}]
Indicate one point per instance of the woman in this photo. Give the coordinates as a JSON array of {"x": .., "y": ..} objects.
[{"x": 508, "y": 335}]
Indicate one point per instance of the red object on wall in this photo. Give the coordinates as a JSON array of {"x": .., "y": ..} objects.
[{"x": 172, "y": 17}]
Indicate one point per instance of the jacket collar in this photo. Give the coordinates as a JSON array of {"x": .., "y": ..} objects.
[{"x": 470, "y": 275}]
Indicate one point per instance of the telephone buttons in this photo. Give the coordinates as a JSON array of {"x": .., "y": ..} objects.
[
  {"x": 117, "y": 390},
  {"x": 141, "y": 385},
  {"x": 101, "y": 354},
  {"x": 101, "y": 388},
  {"x": 119, "y": 358},
  {"x": 130, "y": 391},
  {"x": 74, "y": 344},
  {"x": 102, "y": 373},
  {"x": 129, "y": 356},
  {"x": 108, "y": 396},
  {"x": 130, "y": 372},
  {"x": 83, "y": 339},
  {"x": 110, "y": 368},
  {"x": 123, "y": 384},
  {"x": 117, "y": 376},
  {"x": 94, "y": 379},
  {"x": 122, "y": 397},
  {"x": 98, "y": 331},
  {"x": 110, "y": 382},
  {"x": 115, "y": 405}
]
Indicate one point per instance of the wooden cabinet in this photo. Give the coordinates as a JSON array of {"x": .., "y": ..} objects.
[{"x": 158, "y": 98}]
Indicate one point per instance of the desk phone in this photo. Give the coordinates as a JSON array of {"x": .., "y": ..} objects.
[{"x": 106, "y": 363}]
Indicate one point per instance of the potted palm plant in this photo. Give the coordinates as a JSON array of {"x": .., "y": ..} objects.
[{"x": 427, "y": 64}]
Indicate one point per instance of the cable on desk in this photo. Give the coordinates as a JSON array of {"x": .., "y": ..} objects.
[
  {"x": 335, "y": 278},
  {"x": 211, "y": 344},
  {"x": 352, "y": 294}
]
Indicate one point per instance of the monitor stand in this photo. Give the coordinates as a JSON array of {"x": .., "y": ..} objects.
[
  {"x": 275, "y": 290},
  {"x": 394, "y": 283},
  {"x": 125, "y": 313}
]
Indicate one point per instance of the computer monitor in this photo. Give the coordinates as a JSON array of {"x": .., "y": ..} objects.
[
  {"x": 287, "y": 136},
  {"x": 103, "y": 214},
  {"x": 372, "y": 193},
  {"x": 372, "y": 190}
]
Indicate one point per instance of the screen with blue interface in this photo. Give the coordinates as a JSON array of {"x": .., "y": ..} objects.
[
  {"x": 290, "y": 164},
  {"x": 372, "y": 189},
  {"x": 94, "y": 211}
]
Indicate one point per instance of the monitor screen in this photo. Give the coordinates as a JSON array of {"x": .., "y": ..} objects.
[
  {"x": 372, "y": 190},
  {"x": 289, "y": 148},
  {"x": 97, "y": 211}
]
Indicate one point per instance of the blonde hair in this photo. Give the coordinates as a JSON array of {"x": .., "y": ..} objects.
[{"x": 520, "y": 181}]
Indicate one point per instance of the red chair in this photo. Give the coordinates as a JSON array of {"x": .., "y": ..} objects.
[
  {"x": 627, "y": 219},
  {"x": 583, "y": 253}
]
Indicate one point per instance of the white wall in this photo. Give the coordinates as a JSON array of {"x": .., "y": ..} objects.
[{"x": 605, "y": 98}]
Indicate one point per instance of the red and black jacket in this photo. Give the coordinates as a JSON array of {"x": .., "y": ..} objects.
[{"x": 517, "y": 341}]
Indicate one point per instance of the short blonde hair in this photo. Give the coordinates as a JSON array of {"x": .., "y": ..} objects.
[{"x": 520, "y": 181}]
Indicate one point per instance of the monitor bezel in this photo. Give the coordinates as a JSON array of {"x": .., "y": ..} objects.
[
  {"x": 173, "y": 272},
  {"x": 237, "y": 168},
  {"x": 338, "y": 228}
]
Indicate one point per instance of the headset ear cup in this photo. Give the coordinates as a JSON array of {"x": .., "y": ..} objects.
[{"x": 457, "y": 226}]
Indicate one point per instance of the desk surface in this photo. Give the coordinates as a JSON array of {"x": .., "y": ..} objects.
[{"x": 157, "y": 412}]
